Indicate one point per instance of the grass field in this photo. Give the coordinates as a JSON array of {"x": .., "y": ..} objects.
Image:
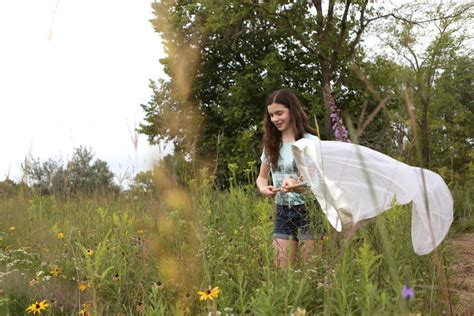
[{"x": 151, "y": 253}]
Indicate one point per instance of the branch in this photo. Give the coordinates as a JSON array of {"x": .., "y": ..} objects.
[
  {"x": 291, "y": 27},
  {"x": 397, "y": 17},
  {"x": 414, "y": 56},
  {"x": 319, "y": 14},
  {"x": 361, "y": 29},
  {"x": 330, "y": 15},
  {"x": 354, "y": 43},
  {"x": 399, "y": 53},
  {"x": 341, "y": 35},
  {"x": 372, "y": 115}
]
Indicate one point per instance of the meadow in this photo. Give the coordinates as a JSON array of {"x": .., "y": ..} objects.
[{"x": 150, "y": 253}]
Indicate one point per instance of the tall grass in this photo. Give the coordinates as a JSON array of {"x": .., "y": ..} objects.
[{"x": 152, "y": 253}]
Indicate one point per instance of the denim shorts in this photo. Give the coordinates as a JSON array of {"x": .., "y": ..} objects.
[{"x": 292, "y": 222}]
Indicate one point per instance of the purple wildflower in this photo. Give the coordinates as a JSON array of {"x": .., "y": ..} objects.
[
  {"x": 340, "y": 130},
  {"x": 408, "y": 292}
]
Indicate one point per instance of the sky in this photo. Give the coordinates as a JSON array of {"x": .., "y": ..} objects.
[{"x": 74, "y": 73}]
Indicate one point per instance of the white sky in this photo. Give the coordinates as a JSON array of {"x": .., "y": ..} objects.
[{"x": 81, "y": 84}]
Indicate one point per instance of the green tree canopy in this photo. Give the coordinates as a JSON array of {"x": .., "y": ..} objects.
[
  {"x": 224, "y": 57},
  {"x": 80, "y": 175}
]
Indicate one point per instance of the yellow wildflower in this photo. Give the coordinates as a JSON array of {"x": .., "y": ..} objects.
[
  {"x": 60, "y": 235},
  {"x": 209, "y": 294},
  {"x": 37, "y": 307},
  {"x": 84, "y": 285},
  {"x": 90, "y": 252},
  {"x": 326, "y": 237},
  {"x": 84, "y": 312},
  {"x": 55, "y": 271},
  {"x": 11, "y": 228}
]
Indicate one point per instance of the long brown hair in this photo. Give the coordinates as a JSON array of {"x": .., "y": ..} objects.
[{"x": 299, "y": 122}]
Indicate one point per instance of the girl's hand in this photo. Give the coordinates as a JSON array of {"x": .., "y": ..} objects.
[
  {"x": 268, "y": 191},
  {"x": 288, "y": 182}
]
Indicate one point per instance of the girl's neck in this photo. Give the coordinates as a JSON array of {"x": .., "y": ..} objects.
[{"x": 288, "y": 136}]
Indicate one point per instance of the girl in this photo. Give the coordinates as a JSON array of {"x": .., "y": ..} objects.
[{"x": 285, "y": 122}]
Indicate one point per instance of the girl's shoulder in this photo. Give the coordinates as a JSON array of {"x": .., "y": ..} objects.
[{"x": 310, "y": 136}]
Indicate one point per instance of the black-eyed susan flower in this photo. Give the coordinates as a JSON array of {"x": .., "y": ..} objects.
[
  {"x": 326, "y": 237},
  {"x": 55, "y": 271},
  {"x": 89, "y": 252},
  {"x": 60, "y": 235},
  {"x": 37, "y": 307},
  {"x": 209, "y": 294},
  {"x": 84, "y": 285}
]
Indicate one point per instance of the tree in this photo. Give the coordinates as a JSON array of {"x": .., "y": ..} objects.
[
  {"x": 445, "y": 24},
  {"x": 451, "y": 116},
  {"x": 81, "y": 175},
  {"x": 7, "y": 188},
  {"x": 143, "y": 182},
  {"x": 224, "y": 57},
  {"x": 45, "y": 177}
]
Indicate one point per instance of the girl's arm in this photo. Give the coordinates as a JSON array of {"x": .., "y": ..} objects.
[{"x": 262, "y": 181}]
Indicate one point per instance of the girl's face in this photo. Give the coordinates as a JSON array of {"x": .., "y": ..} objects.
[{"x": 280, "y": 116}]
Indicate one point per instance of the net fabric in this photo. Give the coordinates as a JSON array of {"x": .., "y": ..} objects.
[{"x": 353, "y": 183}]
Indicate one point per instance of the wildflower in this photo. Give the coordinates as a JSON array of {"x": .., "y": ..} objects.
[
  {"x": 11, "y": 228},
  {"x": 158, "y": 285},
  {"x": 55, "y": 271},
  {"x": 60, "y": 235},
  {"x": 408, "y": 292},
  {"x": 34, "y": 281},
  {"x": 84, "y": 285},
  {"x": 116, "y": 278},
  {"x": 299, "y": 312},
  {"x": 89, "y": 252},
  {"x": 140, "y": 232},
  {"x": 84, "y": 311},
  {"x": 326, "y": 237},
  {"x": 209, "y": 294},
  {"x": 140, "y": 307},
  {"x": 340, "y": 130},
  {"x": 37, "y": 307}
]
